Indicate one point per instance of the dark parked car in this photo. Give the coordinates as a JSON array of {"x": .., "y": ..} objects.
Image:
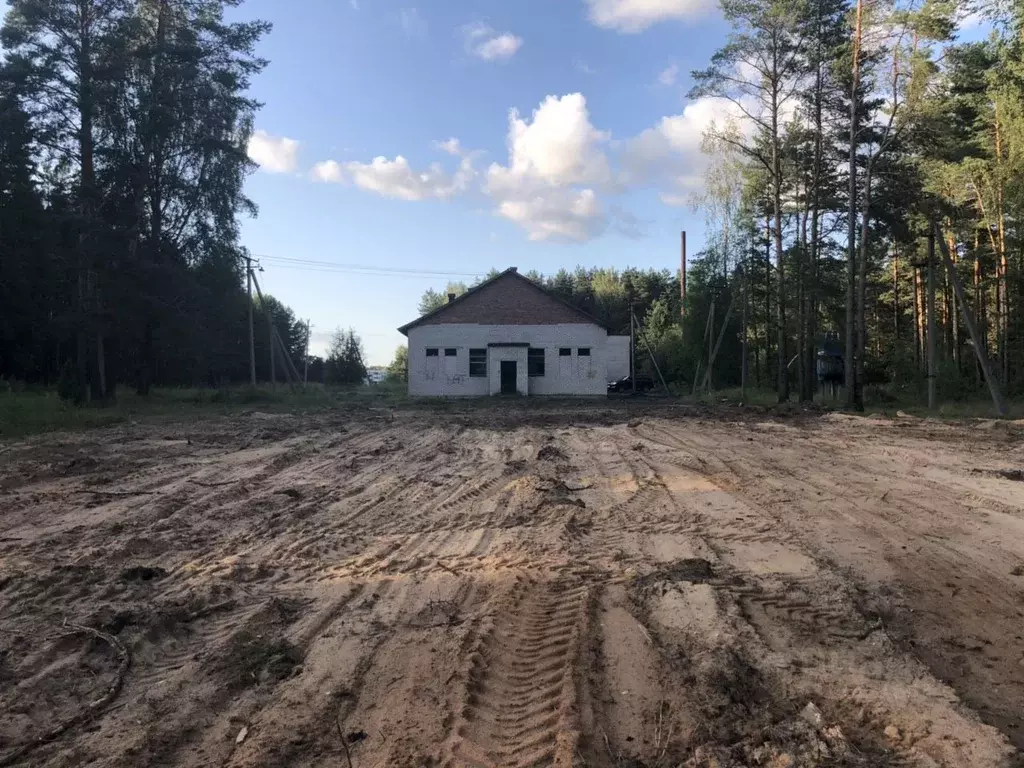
[{"x": 625, "y": 384}]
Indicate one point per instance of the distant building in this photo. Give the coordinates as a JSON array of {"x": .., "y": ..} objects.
[{"x": 509, "y": 335}]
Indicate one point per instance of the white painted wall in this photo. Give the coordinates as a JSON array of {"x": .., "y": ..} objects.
[
  {"x": 449, "y": 376},
  {"x": 618, "y": 357}
]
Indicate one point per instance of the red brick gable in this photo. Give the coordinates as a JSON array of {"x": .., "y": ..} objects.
[{"x": 508, "y": 299}]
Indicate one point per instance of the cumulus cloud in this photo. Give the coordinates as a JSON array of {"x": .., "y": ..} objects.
[
  {"x": 397, "y": 179},
  {"x": 563, "y": 176},
  {"x": 559, "y": 146},
  {"x": 558, "y": 214},
  {"x": 484, "y": 43},
  {"x": 275, "y": 154},
  {"x": 632, "y": 16},
  {"x": 667, "y": 76},
  {"x": 329, "y": 170},
  {"x": 556, "y": 165},
  {"x": 669, "y": 154}
]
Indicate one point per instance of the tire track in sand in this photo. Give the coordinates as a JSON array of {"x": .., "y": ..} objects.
[{"x": 520, "y": 703}]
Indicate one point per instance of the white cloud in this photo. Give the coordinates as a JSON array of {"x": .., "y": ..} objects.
[
  {"x": 329, "y": 170},
  {"x": 555, "y": 162},
  {"x": 484, "y": 43},
  {"x": 413, "y": 24},
  {"x": 973, "y": 20},
  {"x": 275, "y": 154},
  {"x": 397, "y": 179},
  {"x": 670, "y": 152},
  {"x": 667, "y": 76},
  {"x": 452, "y": 146},
  {"x": 563, "y": 177},
  {"x": 354, "y": 4},
  {"x": 633, "y": 16},
  {"x": 558, "y": 214},
  {"x": 559, "y": 147},
  {"x": 500, "y": 47}
]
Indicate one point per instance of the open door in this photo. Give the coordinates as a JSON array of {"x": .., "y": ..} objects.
[{"x": 508, "y": 377}]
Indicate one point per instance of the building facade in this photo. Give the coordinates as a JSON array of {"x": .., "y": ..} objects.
[{"x": 510, "y": 336}]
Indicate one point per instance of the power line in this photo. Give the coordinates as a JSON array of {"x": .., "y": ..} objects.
[{"x": 289, "y": 262}]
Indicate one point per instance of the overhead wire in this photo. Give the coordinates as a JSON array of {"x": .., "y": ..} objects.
[{"x": 315, "y": 265}]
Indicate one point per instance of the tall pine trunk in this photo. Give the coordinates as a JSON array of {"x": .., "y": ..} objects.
[
  {"x": 88, "y": 277},
  {"x": 862, "y": 285},
  {"x": 783, "y": 380},
  {"x": 851, "y": 245}
]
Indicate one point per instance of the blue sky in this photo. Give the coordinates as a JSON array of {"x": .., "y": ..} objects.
[
  {"x": 447, "y": 137},
  {"x": 586, "y": 183}
]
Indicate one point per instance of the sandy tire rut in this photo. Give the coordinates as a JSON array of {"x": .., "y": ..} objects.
[
  {"x": 520, "y": 707},
  {"x": 480, "y": 589}
]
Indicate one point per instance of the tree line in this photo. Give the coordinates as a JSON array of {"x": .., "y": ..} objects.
[
  {"x": 861, "y": 142},
  {"x": 860, "y": 129},
  {"x": 124, "y": 126}
]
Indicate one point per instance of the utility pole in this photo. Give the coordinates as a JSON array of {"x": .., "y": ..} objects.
[
  {"x": 305, "y": 365},
  {"x": 931, "y": 319},
  {"x": 632, "y": 349},
  {"x": 744, "y": 365},
  {"x": 650, "y": 349},
  {"x": 270, "y": 339},
  {"x": 252, "y": 342},
  {"x": 682, "y": 276},
  {"x": 711, "y": 347}
]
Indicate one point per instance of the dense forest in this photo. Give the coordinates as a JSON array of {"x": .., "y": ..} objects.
[
  {"x": 860, "y": 137},
  {"x": 863, "y": 131},
  {"x": 123, "y": 133}
]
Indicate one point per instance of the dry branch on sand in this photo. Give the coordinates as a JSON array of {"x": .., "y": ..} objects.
[{"x": 91, "y": 710}]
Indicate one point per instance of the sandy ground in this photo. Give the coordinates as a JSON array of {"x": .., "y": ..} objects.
[{"x": 654, "y": 586}]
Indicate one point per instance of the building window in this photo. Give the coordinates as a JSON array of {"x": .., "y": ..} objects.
[
  {"x": 565, "y": 352},
  {"x": 535, "y": 361},
  {"x": 478, "y": 362},
  {"x": 584, "y": 352},
  {"x": 450, "y": 352},
  {"x": 431, "y": 351}
]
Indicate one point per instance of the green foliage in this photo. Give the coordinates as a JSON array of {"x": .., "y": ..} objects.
[
  {"x": 344, "y": 364},
  {"x": 432, "y": 299},
  {"x": 123, "y": 135},
  {"x": 398, "y": 370}
]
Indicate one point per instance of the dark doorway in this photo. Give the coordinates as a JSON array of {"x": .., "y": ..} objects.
[{"x": 508, "y": 377}]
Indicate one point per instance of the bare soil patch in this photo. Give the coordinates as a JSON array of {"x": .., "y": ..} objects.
[{"x": 620, "y": 585}]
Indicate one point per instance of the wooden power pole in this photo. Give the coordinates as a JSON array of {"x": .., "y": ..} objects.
[
  {"x": 632, "y": 349},
  {"x": 305, "y": 364},
  {"x": 682, "y": 276},
  {"x": 744, "y": 363},
  {"x": 252, "y": 341}
]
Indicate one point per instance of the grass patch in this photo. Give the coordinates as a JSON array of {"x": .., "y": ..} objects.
[
  {"x": 29, "y": 412},
  {"x": 876, "y": 399}
]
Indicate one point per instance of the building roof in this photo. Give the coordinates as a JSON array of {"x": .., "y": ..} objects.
[{"x": 505, "y": 300}]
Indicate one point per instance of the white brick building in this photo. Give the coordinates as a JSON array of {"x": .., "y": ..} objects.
[{"x": 509, "y": 335}]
